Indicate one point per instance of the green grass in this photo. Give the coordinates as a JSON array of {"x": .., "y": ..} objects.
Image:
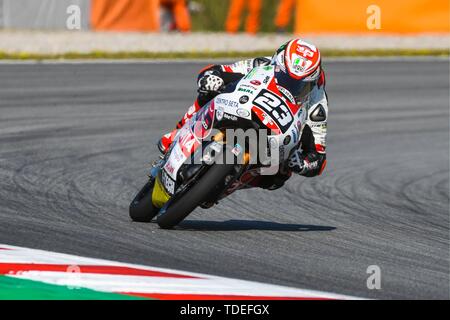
[
  {"x": 214, "y": 15},
  {"x": 326, "y": 53},
  {"x": 22, "y": 289}
]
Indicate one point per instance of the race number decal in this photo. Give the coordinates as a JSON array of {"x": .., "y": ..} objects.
[{"x": 275, "y": 108}]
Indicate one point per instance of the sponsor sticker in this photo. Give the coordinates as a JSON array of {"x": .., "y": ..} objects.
[
  {"x": 226, "y": 102},
  {"x": 251, "y": 73},
  {"x": 301, "y": 64},
  {"x": 176, "y": 153},
  {"x": 295, "y": 133},
  {"x": 168, "y": 183},
  {"x": 287, "y": 94},
  {"x": 219, "y": 113},
  {"x": 244, "y": 99},
  {"x": 229, "y": 117},
  {"x": 248, "y": 86},
  {"x": 287, "y": 139},
  {"x": 169, "y": 168},
  {"x": 237, "y": 150},
  {"x": 217, "y": 147},
  {"x": 243, "y": 113},
  {"x": 246, "y": 90},
  {"x": 273, "y": 143}
]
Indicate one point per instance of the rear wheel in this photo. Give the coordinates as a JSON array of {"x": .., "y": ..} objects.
[
  {"x": 209, "y": 185},
  {"x": 141, "y": 208}
]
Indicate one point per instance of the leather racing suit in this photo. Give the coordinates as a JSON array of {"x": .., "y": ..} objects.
[{"x": 310, "y": 159}]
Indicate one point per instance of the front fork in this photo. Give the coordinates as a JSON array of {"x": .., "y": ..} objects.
[{"x": 161, "y": 198}]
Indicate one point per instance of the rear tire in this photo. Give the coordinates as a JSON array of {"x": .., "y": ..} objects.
[
  {"x": 209, "y": 184},
  {"x": 141, "y": 208}
]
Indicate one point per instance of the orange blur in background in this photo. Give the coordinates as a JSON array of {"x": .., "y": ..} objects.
[
  {"x": 350, "y": 16},
  {"x": 312, "y": 16},
  {"x": 180, "y": 13},
  {"x": 284, "y": 13},
  {"x": 137, "y": 15},
  {"x": 125, "y": 15},
  {"x": 235, "y": 12}
]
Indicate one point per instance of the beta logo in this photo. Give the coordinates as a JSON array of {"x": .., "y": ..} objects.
[
  {"x": 246, "y": 90},
  {"x": 255, "y": 82}
]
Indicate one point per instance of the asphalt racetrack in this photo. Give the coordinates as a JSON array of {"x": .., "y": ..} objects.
[{"x": 76, "y": 141}]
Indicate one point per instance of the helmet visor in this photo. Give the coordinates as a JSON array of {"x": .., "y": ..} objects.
[{"x": 300, "y": 89}]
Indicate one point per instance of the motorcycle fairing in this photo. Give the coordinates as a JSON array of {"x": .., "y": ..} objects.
[{"x": 254, "y": 95}]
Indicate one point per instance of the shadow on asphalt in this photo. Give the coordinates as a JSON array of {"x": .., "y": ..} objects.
[{"x": 237, "y": 225}]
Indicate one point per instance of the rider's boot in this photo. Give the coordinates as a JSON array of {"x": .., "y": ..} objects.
[{"x": 167, "y": 139}]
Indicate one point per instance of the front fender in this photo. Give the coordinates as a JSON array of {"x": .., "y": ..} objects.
[{"x": 159, "y": 195}]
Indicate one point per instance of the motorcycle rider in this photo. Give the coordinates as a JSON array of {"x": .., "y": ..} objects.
[{"x": 300, "y": 79}]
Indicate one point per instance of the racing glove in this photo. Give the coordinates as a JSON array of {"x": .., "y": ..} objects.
[
  {"x": 307, "y": 164},
  {"x": 210, "y": 83}
]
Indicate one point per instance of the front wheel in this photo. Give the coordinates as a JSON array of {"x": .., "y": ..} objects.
[
  {"x": 210, "y": 184},
  {"x": 141, "y": 208}
]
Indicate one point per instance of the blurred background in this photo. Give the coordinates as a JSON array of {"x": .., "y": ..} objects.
[
  {"x": 77, "y": 138},
  {"x": 52, "y": 27},
  {"x": 251, "y": 16}
]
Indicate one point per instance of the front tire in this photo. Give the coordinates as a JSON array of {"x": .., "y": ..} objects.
[
  {"x": 210, "y": 184},
  {"x": 141, "y": 208}
]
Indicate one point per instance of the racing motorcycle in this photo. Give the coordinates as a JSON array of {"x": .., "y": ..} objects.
[{"x": 205, "y": 164}]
